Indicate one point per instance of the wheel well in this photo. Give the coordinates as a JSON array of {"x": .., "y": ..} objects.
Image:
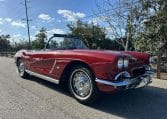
[
  {"x": 17, "y": 60},
  {"x": 67, "y": 70}
]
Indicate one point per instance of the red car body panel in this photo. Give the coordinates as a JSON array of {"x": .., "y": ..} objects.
[{"x": 103, "y": 63}]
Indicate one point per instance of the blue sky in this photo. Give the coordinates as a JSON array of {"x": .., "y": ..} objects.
[{"x": 51, "y": 14}]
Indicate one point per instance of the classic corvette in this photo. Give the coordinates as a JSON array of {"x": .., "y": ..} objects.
[{"x": 66, "y": 59}]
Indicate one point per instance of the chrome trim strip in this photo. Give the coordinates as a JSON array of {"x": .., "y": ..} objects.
[
  {"x": 53, "y": 67},
  {"x": 121, "y": 73},
  {"x": 123, "y": 83},
  {"x": 149, "y": 72},
  {"x": 43, "y": 77}
]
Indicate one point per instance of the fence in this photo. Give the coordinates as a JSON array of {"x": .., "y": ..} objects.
[{"x": 7, "y": 54}]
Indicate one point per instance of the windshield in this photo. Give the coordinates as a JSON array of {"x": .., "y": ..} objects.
[{"x": 65, "y": 43}]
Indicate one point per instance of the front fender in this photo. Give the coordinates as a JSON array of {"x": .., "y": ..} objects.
[
  {"x": 105, "y": 70},
  {"x": 18, "y": 55}
]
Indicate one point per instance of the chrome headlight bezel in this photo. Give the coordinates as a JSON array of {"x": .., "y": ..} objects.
[{"x": 120, "y": 63}]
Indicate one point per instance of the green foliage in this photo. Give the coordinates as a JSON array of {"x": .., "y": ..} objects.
[
  {"x": 4, "y": 43},
  {"x": 39, "y": 42},
  {"x": 93, "y": 36},
  {"x": 153, "y": 35},
  {"x": 20, "y": 45},
  {"x": 111, "y": 45}
]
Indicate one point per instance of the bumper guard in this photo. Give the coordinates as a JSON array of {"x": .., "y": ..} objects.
[{"x": 129, "y": 82}]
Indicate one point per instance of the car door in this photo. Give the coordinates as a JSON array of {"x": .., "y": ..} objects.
[
  {"x": 42, "y": 62},
  {"x": 45, "y": 61}
]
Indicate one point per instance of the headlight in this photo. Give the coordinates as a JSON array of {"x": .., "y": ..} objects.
[
  {"x": 126, "y": 63},
  {"x": 120, "y": 63}
]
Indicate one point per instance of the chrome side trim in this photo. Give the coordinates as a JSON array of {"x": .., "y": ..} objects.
[
  {"x": 123, "y": 83},
  {"x": 43, "y": 77},
  {"x": 54, "y": 64}
]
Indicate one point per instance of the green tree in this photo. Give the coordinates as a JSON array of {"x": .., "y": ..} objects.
[
  {"x": 41, "y": 37},
  {"x": 111, "y": 45},
  {"x": 21, "y": 45},
  {"x": 153, "y": 17},
  {"x": 4, "y": 43},
  {"x": 92, "y": 35}
]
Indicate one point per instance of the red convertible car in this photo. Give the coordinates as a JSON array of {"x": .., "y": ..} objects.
[{"x": 66, "y": 59}]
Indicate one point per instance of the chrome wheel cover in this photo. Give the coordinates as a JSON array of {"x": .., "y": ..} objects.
[
  {"x": 21, "y": 68},
  {"x": 81, "y": 84}
]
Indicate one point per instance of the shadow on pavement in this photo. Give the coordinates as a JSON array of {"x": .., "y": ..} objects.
[
  {"x": 146, "y": 103},
  {"x": 60, "y": 88}
]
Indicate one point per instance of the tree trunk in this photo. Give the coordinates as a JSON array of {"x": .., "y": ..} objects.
[
  {"x": 127, "y": 44},
  {"x": 158, "y": 65}
]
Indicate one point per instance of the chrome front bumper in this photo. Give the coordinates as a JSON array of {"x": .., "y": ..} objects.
[{"x": 129, "y": 82}]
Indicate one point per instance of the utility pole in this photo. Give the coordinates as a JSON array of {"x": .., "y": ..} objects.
[{"x": 27, "y": 20}]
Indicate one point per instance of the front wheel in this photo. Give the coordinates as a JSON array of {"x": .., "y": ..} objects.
[
  {"x": 21, "y": 69},
  {"x": 82, "y": 85}
]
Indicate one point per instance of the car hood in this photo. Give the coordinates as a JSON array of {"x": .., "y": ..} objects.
[
  {"x": 111, "y": 55},
  {"x": 103, "y": 54}
]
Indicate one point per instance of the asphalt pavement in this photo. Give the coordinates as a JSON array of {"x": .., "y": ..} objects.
[{"x": 39, "y": 99}]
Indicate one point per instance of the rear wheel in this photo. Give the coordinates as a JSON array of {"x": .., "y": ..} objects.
[
  {"x": 21, "y": 69},
  {"x": 82, "y": 85}
]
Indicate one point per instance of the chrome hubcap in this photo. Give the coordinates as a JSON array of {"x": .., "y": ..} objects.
[
  {"x": 21, "y": 68},
  {"x": 81, "y": 83}
]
